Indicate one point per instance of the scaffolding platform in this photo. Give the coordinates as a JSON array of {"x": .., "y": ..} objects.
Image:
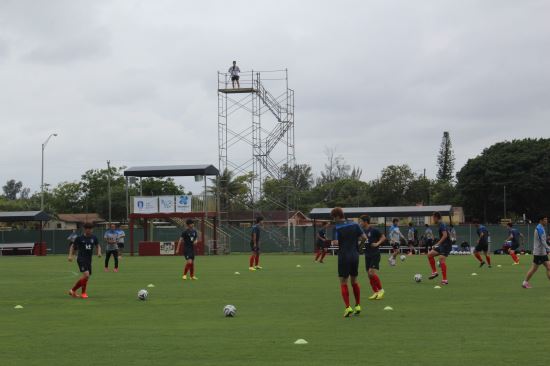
[{"x": 237, "y": 90}]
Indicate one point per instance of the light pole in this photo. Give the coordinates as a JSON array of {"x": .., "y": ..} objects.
[{"x": 42, "y": 181}]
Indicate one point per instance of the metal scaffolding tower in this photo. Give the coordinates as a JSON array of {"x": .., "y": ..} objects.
[{"x": 256, "y": 126}]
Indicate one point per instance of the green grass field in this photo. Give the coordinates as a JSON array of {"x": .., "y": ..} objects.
[{"x": 483, "y": 320}]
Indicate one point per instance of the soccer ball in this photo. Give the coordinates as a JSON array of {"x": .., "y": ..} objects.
[
  {"x": 142, "y": 294},
  {"x": 229, "y": 311},
  {"x": 402, "y": 258},
  {"x": 417, "y": 277}
]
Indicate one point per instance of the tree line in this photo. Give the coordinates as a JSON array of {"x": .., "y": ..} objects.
[{"x": 512, "y": 174}]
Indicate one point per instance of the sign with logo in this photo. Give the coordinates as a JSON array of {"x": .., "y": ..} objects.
[
  {"x": 183, "y": 203},
  {"x": 146, "y": 205},
  {"x": 167, "y": 204},
  {"x": 167, "y": 248}
]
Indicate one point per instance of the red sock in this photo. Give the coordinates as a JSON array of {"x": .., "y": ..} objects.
[
  {"x": 257, "y": 259},
  {"x": 373, "y": 284},
  {"x": 432, "y": 264},
  {"x": 84, "y": 284},
  {"x": 186, "y": 269},
  {"x": 356, "y": 293},
  {"x": 345, "y": 294},
  {"x": 444, "y": 270},
  {"x": 478, "y": 256},
  {"x": 77, "y": 285},
  {"x": 323, "y": 255},
  {"x": 192, "y": 269},
  {"x": 252, "y": 260},
  {"x": 378, "y": 283},
  {"x": 488, "y": 259},
  {"x": 318, "y": 255},
  {"x": 514, "y": 257}
]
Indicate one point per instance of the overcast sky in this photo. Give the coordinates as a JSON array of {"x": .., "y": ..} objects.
[{"x": 378, "y": 81}]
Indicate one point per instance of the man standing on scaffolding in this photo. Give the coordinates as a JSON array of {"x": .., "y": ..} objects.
[{"x": 234, "y": 72}]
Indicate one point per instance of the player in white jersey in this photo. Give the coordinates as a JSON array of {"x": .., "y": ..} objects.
[
  {"x": 395, "y": 237},
  {"x": 540, "y": 252},
  {"x": 234, "y": 71}
]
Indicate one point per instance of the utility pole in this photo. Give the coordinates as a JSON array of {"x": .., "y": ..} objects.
[
  {"x": 504, "y": 201},
  {"x": 109, "y": 187}
]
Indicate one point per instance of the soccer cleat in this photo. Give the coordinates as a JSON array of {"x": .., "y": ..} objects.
[
  {"x": 525, "y": 284},
  {"x": 481, "y": 264},
  {"x": 373, "y": 297},
  {"x": 258, "y": 267},
  {"x": 357, "y": 310},
  {"x": 115, "y": 270},
  {"x": 84, "y": 295},
  {"x": 184, "y": 277},
  {"x": 251, "y": 268},
  {"x": 433, "y": 275},
  {"x": 348, "y": 312},
  {"x": 380, "y": 295},
  {"x": 73, "y": 293},
  {"x": 194, "y": 278},
  {"x": 444, "y": 282}
]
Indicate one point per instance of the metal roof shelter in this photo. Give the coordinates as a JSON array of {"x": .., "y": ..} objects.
[
  {"x": 397, "y": 211},
  {"x": 171, "y": 171},
  {"x": 17, "y": 216}
]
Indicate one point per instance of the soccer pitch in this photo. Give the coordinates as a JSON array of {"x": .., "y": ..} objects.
[{"x": 477, "y": 320}]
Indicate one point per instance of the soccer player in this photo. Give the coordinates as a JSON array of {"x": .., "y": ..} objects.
[
  {"x": 540, "y": 252},
  {"x": 514, "y": 239},
  {"x": 234, "y": 72},
  {"x": 442, "y": 249},
  {"x": 372, "y": 256},
  {"x": 120, "y": 240},
  {"x": 395, "y": 241},
  {"x": 255, "y": 244},
  {"x": 84, "y": 245},
  {"x": 412, "y": 238},
  {"x": 111, "y": 248},
  {"x": 321, "y": 243},
  {"x": 452, "y": 233},
  {"x": 482, "y": 244},
  {"x": 189, "y": 240},
  {"x": 346, "y": 236},
  {"x": 428, "y": 238}
]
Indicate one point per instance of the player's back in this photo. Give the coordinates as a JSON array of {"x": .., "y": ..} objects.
[{"x": 347, "y": 234}]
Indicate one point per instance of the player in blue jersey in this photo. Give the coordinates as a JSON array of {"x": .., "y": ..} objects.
[
  {"x": 346, "y": 236},
  {"x": 540, "y": 252},
  {"x": 482, "y": 244},
  {"x": 189, "y": 240},
  {"x": 395, "y": 237},
  {"x": 441, "y": 249},
  {"x": 255, "y": 244},
  {"x": 514, "y": 238},
  {"x": 84, "y": 245},
  {"x": 321, "y": 243},
  {"x": 372, "y": 256}
]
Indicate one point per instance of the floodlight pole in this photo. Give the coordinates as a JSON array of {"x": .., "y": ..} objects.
[
  {"x": 109, "y": 187},
  {"x": 42, "y": 180}
]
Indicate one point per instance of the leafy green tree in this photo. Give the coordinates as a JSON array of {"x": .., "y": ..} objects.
[
  {"x": 292, "y": 187},
  {"x": 445, "y": 159},
  {"x": 393, "y": 186},
  {"x": 12, "y": 189},
  {"x": 523, "y": 166},
  {"x": 342, "y": 192},
  {"x": 234, "y": 192}
]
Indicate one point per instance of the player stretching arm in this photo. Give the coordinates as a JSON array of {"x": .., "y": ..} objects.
[
  {"x": 514, "y": 238},
  {"x": 395, "y": 241},
  {"x": 346, "y": 236},
  {"x": 84, "y": 244},
  {"x": 482, "y": 244},
  {"x": 321, "y": 243},
  {"x": 189, "y": 240},
  {"x": 442, "y": 249},
  {"x": 255, "y": 244},
  {"x": 540, "y": 252},
  {"x": 372, "y": 256}
]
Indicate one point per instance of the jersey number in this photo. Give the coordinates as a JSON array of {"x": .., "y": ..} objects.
[{"x": 88, "y": 246}]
